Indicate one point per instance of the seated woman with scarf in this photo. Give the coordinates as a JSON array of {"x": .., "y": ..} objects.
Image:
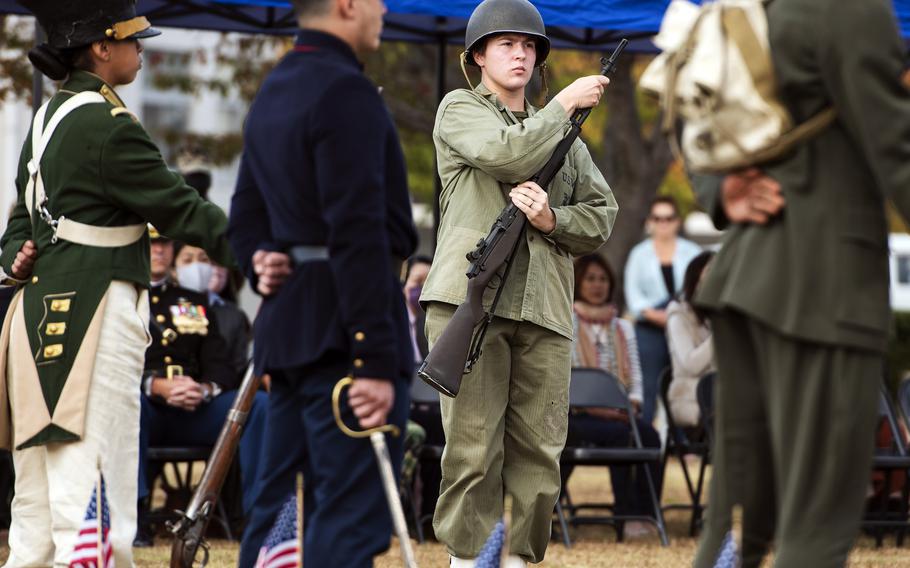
[{"x": 605, "y": 341}]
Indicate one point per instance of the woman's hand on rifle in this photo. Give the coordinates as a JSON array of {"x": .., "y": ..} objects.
[
  {"x": 584, "y": 92},
  {"x": 532, "y": 200}
]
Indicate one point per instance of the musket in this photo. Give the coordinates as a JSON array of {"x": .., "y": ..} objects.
[
  {"x": 460, "y": 345},
  {"x": 189, "y": 528}
]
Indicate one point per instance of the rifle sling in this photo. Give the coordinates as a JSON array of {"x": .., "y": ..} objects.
[{"x": 477, "y": 341}]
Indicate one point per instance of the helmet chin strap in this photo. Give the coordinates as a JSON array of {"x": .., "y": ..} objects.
[
  {"x": 544, "y": 84},
  {"x": 464, "y": 69}
]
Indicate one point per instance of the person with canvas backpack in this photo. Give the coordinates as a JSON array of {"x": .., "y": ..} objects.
[{"x": 798, "y": 295}]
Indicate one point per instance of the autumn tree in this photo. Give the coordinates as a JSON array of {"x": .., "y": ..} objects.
[{"x": 621, "y": 134}]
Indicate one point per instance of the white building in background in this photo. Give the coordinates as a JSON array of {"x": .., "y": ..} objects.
[
  {"x": 175, "y": 52},
  {"x": 899, "y": 261}
]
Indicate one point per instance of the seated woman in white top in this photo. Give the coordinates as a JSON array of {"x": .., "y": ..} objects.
[{"x": 691, "y": 345}]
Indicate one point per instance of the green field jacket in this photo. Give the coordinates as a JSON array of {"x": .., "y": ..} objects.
[{"x": 482, "y": 151}]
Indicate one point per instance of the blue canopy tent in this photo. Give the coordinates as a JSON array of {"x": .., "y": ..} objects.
[
  {"x": 578, "y": 24},
  {"x": 572, "y": 23}
]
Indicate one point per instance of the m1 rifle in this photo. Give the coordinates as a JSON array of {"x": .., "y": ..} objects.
[
  {"x": 189, "y": 528},
  {"x": 460, "y": 344}
]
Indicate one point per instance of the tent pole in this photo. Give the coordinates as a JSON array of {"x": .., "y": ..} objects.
[
  {"x": 37, "y": 76},
  {"x": 441, "y": 45}
]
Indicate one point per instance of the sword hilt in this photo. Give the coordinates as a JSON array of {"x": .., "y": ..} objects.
[{"x": 336, "y": 410}]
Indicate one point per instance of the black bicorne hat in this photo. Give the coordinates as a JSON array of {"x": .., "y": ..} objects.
[{"x": 76, "y": 23}]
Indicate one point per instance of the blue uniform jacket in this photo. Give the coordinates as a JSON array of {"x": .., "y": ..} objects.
[{"x": 322, "y": 165}]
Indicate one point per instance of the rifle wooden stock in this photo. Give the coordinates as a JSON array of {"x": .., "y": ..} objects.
[
  {"x": 445, "y": 363},
  {"x": 189, "y": 529}
]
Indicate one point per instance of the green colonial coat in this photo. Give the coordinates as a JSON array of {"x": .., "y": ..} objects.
[{"x": 102, "y": 169}]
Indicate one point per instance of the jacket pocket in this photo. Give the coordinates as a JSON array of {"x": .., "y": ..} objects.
[
  {"x": 863, "y": 283},
  {"x": 563, "y": 186},
  {"x": 559, "y": 290},
  {"x": 447, "y": 280}
]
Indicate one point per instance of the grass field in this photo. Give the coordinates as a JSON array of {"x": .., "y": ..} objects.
[{"x": 594, "y": 546}]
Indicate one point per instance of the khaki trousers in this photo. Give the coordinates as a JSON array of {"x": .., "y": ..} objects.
[
  {"x": 54, "y": 482},
  {"x": 504, "y": 434},
  {"x": 794, "y": 436}
]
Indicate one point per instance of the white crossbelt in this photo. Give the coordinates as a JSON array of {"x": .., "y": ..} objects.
[{"x": 36, "y": 198}]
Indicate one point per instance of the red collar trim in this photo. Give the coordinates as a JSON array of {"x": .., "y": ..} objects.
[{"x": 305, "y": 48}]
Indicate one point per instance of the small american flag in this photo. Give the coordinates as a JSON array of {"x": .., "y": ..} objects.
[
  {"x": 491, "y": 553},
  {"x": 281, "y": 548},
  {"x": 729, "y": 553},
  {"x": 85, "y": 554}
]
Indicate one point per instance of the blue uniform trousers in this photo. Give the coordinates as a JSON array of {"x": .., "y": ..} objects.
[
  {"x": 655, "y": 356},
  {"x": 163, "y": 425},
  {"x": 630, "y": 486},
  {"x": 347, "y": 519}
]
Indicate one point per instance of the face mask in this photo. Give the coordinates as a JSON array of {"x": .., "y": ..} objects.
[
  {"x": 195, "y": 276},
  {"x": 219, "y": 279}
]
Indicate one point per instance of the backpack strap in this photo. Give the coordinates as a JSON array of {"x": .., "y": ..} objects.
[
  {"x": 758, "y": 61},
  {"x": 36, "y": 197}
]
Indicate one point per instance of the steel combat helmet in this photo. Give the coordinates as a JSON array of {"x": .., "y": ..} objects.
[{"x": 506, "y": 16}]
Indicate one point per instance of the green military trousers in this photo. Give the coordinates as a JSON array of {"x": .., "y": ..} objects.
[
  {"x": 794, "y": 437},
  {"x": 504, "y": 434}
]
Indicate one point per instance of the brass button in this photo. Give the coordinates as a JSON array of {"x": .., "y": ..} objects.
[
  {"x": 160, "y": 318},
  {"x": 164, "y": 342},
  {"x": 154, "y": 299},
  {"x": 168, "y": 359},
  {"x": 358, "y": 363},
  {"x": 359, "y": 336},
  {"x": 34, "y": 279}
]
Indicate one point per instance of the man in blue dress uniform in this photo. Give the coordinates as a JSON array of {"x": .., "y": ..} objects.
[{"x": 320, "y": 221}]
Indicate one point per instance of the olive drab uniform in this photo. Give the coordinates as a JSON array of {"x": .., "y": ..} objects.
[
  {"x": 800, "y": 306},
  {"x": 73, "y": 341},
  {"x": 507, "y": 427}
]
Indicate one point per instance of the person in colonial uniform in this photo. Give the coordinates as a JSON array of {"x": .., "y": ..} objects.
[{"x": 74, "y": 339}]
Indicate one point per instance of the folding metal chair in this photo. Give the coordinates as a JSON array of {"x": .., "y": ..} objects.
[
  {"x": 680, "y": 444},
  {"x": 595, "y": 388},
  {"x": 183, "y": 488},
  {"x": 890, "y": 461},
  {"x": 422, "y": 395}
]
